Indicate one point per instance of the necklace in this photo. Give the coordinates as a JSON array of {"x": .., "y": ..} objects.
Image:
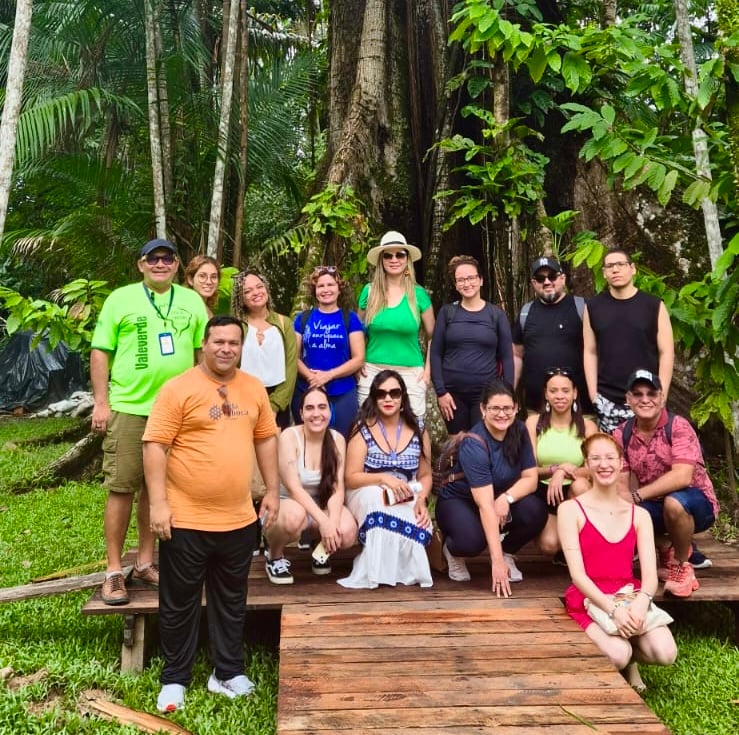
[{"x": 393, "y": 450}]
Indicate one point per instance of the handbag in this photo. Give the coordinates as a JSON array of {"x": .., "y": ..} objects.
[{"x": 656, "y": 616}]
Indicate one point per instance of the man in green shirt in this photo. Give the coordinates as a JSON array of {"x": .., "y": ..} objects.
[{"x": 147, "y": 333}]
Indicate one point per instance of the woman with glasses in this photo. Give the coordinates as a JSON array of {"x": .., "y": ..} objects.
[
  {"x": 388, "y": 480},
  {"x": 472, "y": 345},
  {"x": 556, "y": 434},
  {"x": 490, "y": 501},
  {"x": 600, "y": 531},
  {"x": 393, "y": 308},
  {"x": 203, "y": 274},
  {"x": 312, "y": 489},
  {"x": 330, "y": 343},
  {"x": 269, "y": 352}
]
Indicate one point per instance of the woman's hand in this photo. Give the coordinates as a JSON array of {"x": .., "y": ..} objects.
[
  {"x": 502, "y": 509},
  {"x": 330, "y": 535},
  {"x": 421, "y": 512},
  {"x": 555, "y": 489},
  {"x": 501, "y": 583},
  {"x": 318, "y": 378},
  {"x": 399, "y": 489},
  {"x": 569, "y": 469},
  {"x": 447, "y": 406}
]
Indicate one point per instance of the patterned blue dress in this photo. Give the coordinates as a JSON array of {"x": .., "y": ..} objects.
[{"x": 394, "y": 546}]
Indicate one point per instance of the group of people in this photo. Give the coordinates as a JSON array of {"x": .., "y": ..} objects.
[{"x": 332, "y": 405}]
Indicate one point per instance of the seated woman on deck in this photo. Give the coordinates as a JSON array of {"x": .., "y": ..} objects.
[
  {"x": 312, "y": 489},
  {"x": 388, "y": 479},
  {"x": 599, "y": 532}
]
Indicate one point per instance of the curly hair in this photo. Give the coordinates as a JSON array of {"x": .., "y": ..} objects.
[{"x": 238, "y": 309}]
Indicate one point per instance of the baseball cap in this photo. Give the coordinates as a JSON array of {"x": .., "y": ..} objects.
[
  {"x": 545, "y": 262},
  {"x": 645, "y": 376},
  {"x": 158, "y": 244}
]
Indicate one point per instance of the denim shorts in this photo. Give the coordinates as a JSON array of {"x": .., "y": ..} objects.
[{"x": 692, "y": 500}]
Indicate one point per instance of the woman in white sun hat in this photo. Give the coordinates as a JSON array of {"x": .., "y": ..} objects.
[{"x": 394, "y": 308}]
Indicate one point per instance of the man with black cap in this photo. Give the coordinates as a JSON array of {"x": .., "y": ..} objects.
[
  {"x": 623, "y": 329},
  {"x": 147, "y": 333},
  {"x": 548, "y": 333},
  {"x": 664, "y": 472}
]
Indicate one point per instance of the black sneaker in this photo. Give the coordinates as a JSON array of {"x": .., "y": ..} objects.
[
  {"x": 305, "y": 541},
  {"x": 559, "y": 559},
  {"x": 320, "y": 568},
  {"x": 278, "y": 571},
  {"x": 698, "y": 559}
]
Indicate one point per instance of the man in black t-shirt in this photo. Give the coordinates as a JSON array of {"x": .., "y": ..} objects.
[
  {"x": 624, "y": 329},
  {"x": 548, "y": 333}
]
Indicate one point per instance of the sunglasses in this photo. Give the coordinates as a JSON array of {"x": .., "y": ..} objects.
[
  {"x": 226, "y": 406},
  {"x": 400, "y": 255},
  {"x": 330, "y": 269},
  {"x": 544, "y": 277},
  {"x": 394, "y": 393},
  {"x": 167, "y": 259},
  {"x": 552, "y": 371}
]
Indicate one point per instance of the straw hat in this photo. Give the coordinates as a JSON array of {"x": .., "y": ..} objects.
[{"x": 392, "y": 240}]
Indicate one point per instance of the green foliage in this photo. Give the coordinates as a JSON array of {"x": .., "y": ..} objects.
[
  {"x": 505, "y": 175},
  {"x": 71, "y": 318}
]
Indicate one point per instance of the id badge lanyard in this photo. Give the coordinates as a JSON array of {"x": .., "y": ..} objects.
[{"x": 166, "y": 339}]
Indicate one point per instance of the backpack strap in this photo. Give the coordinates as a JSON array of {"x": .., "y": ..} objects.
[
  {"x": 524, "y": 315},
  {"x": 579, "y": 305}
]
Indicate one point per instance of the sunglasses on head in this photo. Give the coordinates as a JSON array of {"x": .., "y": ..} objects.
[
  {"x": 321, "y": 269},
  {"x": 400, "y": 255},
  {"x": 152, "y": 259},
  {"x": 552, "y": 371},
  {"x": 543, "y": 277},
  {"x": 394, "y": 393}
]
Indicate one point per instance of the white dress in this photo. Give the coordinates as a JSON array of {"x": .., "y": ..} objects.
[{"x": 394, "y": 546}]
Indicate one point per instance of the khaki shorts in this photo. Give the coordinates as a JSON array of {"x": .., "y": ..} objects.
[{"x": 123, "y": 453}]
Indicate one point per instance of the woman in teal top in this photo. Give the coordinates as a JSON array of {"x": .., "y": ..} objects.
[
  {"x": 556, "y": 435},
  {"x": 393, "y": 308}
]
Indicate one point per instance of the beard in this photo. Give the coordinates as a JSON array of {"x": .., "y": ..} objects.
[{"x": 550, "y": 298}]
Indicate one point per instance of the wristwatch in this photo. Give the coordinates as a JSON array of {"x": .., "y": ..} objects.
[{"x": 511, "y": 500}]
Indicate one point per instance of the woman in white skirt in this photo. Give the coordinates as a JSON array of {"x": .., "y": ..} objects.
[{"x": 388, "y": 481}]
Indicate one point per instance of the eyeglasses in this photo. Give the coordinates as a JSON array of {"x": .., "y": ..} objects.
[
  {"x": 596, "y": 458},
  {"x": 226, "y": 407},
  {"x": 394, "y": 393},
  {"x": 552, "y": 371},
  {"x": 321, "y": 269},
  {"x": 466, "y": 279},
  {"x": 205, "y": 277},
  {"x": 616, "y": 265},
  {"x": 544, "y": 277},
  {"x": 500, "y": 410},
  {"x": 167, "y": 258},
  {"x": 639, "y": 394},
  {"x": 400, "y": 255}
]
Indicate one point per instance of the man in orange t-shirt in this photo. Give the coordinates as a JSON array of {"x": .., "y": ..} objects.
[{"x": 198, "y": 464}]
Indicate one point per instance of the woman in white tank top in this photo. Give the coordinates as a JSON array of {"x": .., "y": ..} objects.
[{"x": 312, "y": 489}]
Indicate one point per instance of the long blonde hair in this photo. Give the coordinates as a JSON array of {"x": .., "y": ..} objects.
[{"x": 377, "y": 299}]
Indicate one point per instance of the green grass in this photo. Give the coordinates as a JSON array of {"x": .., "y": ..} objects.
[{"x": 47, "y": 530}]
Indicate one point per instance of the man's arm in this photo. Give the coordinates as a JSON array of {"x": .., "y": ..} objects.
[
  {"x": 589, "y": 356},
  {"x": 678, "y": 477},
  {"x": 155, "y": 472},
  {"x": 665, "y": 348},
  {"x": 99, "y": 376},
  {"x": 266, "y": 452},
  {"x": 517, "y": 363}
]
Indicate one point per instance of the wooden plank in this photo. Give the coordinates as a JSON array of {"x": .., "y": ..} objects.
[
  {"x": 53, "y": 587},
  {"x": 542, "y": 729}
]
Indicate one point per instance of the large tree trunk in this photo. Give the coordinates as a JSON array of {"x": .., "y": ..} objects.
[
  {"x": 243, "y": 66},
  {"x": 227, "y": 79},
  {"x": 13, "y": 99}
]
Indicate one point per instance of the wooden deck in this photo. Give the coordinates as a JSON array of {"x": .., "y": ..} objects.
[{"x": 449, "y": 659}]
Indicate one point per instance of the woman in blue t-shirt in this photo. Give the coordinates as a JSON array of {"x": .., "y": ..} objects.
[
  {"x": 330, "y": 349},
  {"x": 491, "y": 502}
]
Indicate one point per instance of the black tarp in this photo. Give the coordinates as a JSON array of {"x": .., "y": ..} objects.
[{"x": 34, "y": 378}]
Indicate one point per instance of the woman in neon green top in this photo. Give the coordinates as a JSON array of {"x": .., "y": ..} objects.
[{"x": 393, "y": 308}]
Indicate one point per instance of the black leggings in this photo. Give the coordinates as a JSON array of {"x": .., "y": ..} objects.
[{"x": 459, "y": 521}]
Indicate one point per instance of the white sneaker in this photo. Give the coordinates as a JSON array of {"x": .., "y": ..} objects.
[
  {"x": 171, "y": 698},
  {"x": 458, "y": 571},
  {"x": 238, "y": 686},
  {"x": 514, "y": 573}
]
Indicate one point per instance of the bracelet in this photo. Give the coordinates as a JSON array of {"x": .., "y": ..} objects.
[
  {"x": 638, "y": 500},
  {"x": 650, "y": 597},
  {"x": 553, "y": 468},
  {"x": 613, "y": 612}
]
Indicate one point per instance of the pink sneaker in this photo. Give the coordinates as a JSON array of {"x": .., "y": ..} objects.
[
  {"x": 682, "y": 581},
  {"x": 665, "y": 562}
]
